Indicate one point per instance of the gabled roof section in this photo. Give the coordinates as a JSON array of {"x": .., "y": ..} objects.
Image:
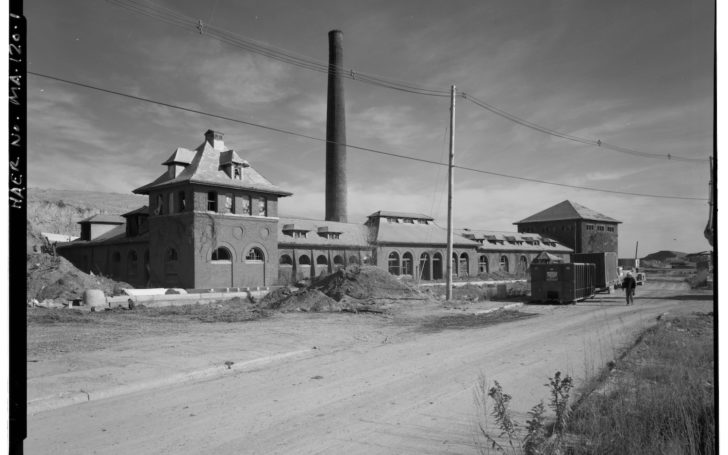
[
  {"x": 230, "y": 156},
  {"x": 350, "y": 234},
  {"x": 103, "y": 218},
  {"x": 427, "y": 234},
  {"x": 512, "y": 241},
  {"x": 141, "y": 211},
  {"x": 385, "y": 214},
  {"x": 567, "y": 210},
  {"x": 180, "y": 156},
  {"x": 205, "y": 168}
]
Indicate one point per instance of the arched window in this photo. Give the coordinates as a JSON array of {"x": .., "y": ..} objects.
[
  {"x": 339, "y": 261},
  {"x": 132, "y": 263},
  {"x": 285, "y": 260},
  {"x": 504, "y": 264},
  {"x": 464, "y": 266},
  {"x": 393, "y": 263},
  {"x": 483, "y": 264},
  {"x": 304, "y": 260},
  {"x": 523, "y": 263},
  {"x": 407, "y": 264},
  {"x": 255, "y": 254},
  {"x": 425, "y": 266},
  {"x": 437, "y": 266},
  {"x": 221, "y": 254},
  {"x": 321, "y": 260},
  {"x": 353, "y": 260}
]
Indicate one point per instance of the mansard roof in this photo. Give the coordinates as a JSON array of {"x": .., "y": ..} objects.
[
  {"x": 205, "y": 167},
  {"x": 567, "y": 210}
]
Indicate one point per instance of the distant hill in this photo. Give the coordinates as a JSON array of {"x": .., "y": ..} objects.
[
  {"x": 665, "y": 256},
  {"x": 59, "y": 211}
]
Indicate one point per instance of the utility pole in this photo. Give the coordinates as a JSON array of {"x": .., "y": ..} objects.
[{"x": 450, "y": 180}]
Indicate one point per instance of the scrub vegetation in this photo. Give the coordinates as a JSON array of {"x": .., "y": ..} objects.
[{"x": 657, "y": 398}]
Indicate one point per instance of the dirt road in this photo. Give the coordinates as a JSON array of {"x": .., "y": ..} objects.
[{"x": 385, "y": 388}]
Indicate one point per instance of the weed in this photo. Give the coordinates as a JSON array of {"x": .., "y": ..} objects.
[
  {"x": 560, "y": 399},
  {"x": 540, "y": 438}
]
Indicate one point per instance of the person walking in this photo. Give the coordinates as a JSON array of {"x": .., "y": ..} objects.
[{"x": 629, "y": 284}]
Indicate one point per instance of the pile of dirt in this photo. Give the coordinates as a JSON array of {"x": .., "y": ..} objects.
[
  {"x": 35, "y": 241},
  {"x": 306, "y": 299},
  {"x": 53, "y": 277},
  {"x": 366, "y": 282}
]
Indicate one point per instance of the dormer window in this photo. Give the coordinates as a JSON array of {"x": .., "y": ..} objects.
[
  {"x": 238, "y": 172},
  {"x": 294, "y": 231},
  {"x": 324, "y": 232}
]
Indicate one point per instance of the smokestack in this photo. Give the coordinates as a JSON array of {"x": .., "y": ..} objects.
[{"x": 335, "y": 133}]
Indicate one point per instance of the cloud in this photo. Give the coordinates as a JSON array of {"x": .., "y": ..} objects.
[
  {"x": 243, "y": 79},
  {"x": 396, "y": 126}
]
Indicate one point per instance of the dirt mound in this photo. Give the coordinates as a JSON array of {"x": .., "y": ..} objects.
[
  {"x": 35, "y": 241},
  {"x": 312, "y": 300},
  {"x": 365, "y": 282},
  {"x": 53, "y": 277}
]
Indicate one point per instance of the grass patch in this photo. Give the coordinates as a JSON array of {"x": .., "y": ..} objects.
[
  {"x": 658, "y": 398},
  {"x": 469, "y": 321}
]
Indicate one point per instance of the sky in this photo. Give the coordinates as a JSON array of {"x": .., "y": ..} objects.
[{"x": 637, "y": 74}]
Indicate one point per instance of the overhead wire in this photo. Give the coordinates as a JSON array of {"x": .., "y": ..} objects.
[
  {"x": 173, "y": 17},
  {"x": 592, "y": 142},
  {"x": 351, "y": 146}
]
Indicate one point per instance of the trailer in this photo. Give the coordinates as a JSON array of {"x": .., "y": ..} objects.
[
  {"x": 562, "y": 283},
  {"x": 607, "y": 275}
]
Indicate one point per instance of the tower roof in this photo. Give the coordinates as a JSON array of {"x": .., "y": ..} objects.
[
  {"x": 567, "y": 210},
  {"x": 205, "y": 168}
]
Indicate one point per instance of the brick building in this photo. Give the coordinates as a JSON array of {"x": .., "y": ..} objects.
[
  {"x": 212, "y": 222},
  {"x": 579, "y": 228}
]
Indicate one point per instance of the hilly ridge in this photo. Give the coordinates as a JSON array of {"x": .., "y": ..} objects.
[{"x": 59, "y": 211}]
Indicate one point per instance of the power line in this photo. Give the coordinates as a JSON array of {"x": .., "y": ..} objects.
[
  {"x": 592, "y": 142},
  {"x": 365, "y": 149},
  {"x": 175, "y": 18}
]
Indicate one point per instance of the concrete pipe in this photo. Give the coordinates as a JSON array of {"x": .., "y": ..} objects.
[{"x": 94, "y": 298}]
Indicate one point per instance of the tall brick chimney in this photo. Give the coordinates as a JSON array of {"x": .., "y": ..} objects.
[{"x": 335, "y": 133}]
